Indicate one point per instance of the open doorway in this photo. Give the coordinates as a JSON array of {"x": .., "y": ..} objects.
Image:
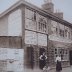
[
  {"x": 70, "y": 56},
  {"x": 42, "y": 61},
  {"x": 30, "y": 57}
]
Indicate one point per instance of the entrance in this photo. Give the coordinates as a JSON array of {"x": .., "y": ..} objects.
[
  {"x": 70, "y": 56},
  {"x": 42, "y": 62},
  {"x": 30, "y": 57}
]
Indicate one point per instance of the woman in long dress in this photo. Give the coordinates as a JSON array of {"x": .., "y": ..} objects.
[
  {"x": 58, "y": 66},
  {"x": 43, "y": 59}
]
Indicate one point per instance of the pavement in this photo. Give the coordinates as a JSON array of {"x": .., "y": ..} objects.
[{"x": 67, "y": 69}]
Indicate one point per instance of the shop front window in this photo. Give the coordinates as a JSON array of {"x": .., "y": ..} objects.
[{"x": 61, "y": 52}]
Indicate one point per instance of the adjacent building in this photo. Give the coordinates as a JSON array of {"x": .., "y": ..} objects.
[{"x": 27, "y": 31}]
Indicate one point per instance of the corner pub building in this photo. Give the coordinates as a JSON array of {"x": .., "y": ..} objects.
[{"x": 27, "y": 31}]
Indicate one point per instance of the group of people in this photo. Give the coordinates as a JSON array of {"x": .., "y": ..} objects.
[{"x": 43, "y": 59}]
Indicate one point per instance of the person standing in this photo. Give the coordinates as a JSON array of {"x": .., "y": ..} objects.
[
  {"x": 58, "y": 64},
  {"x": 58, "y": 58},
  {"x": 43, "y": 59}
]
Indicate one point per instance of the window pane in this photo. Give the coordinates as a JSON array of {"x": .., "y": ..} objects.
[
  {"x": 62, "y": 52},
  {"x": 41, "y": 23}
]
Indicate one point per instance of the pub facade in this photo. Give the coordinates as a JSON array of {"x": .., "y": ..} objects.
[{"x": 27, "y": 31}]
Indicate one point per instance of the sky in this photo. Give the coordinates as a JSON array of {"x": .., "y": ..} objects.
[{"x": 64, "y": 6}]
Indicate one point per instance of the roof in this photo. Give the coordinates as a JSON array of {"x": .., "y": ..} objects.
[{"x": 47, "y": 14}]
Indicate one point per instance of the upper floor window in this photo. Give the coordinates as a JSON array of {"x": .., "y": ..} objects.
[
  {"x": 65, "y": 33},
  {"x": 69, "y": 35},
  {"x": 61, "y": 32},
  {"x": 42, "y": 23},
  {"x": 35, "y": 21},
  {"x": 54, "y": 27}
]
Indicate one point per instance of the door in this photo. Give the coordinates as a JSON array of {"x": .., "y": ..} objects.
[
  {"x": 41, "y": 62},
  {"x": 70, "y": 56},
  {"x": 30, "y": 57}
]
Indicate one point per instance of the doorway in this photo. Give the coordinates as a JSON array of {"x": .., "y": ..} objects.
[
  {"x": 70, "y": 57},
  {"x": 30, "y": 57},
  {"x": 41, "y": 62}
]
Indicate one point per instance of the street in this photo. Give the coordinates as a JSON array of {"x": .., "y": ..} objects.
[{"x": 67, "y": 69}]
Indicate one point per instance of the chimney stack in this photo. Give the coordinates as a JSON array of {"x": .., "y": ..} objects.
[
  {"x": 48, "y": 6},
  {"x": 59, "y": 14}
]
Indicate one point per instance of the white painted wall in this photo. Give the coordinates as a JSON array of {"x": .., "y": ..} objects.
[
  {"x": 7, "y": 53},
  {"x": 17, "y": 55},
  {"x": 30, "y": 24},
  {"x": 15, "y": 23},
  {"x": 3, "y": 53},
  {"x": 54, "y": 23}
]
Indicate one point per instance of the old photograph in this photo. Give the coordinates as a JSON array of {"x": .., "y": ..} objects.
[{"x": 35, "y": 36}]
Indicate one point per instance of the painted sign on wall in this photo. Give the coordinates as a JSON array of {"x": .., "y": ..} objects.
[{"x": 35, "y": 38}]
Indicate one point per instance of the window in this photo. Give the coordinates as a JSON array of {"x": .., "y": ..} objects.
[
  {"x": 65, "y": 33},
  {"x": 69, "y": 35},
  {"x": 42, "y": 23},
  {"x": 35, "y": 21},
  {"x": 62, "y": 52},
  {"x": 61, "y": 32},
  {"x": 54, "y": 27}
]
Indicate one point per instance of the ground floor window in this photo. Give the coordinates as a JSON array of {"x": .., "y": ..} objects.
[{"x": 64, "y": 53}]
